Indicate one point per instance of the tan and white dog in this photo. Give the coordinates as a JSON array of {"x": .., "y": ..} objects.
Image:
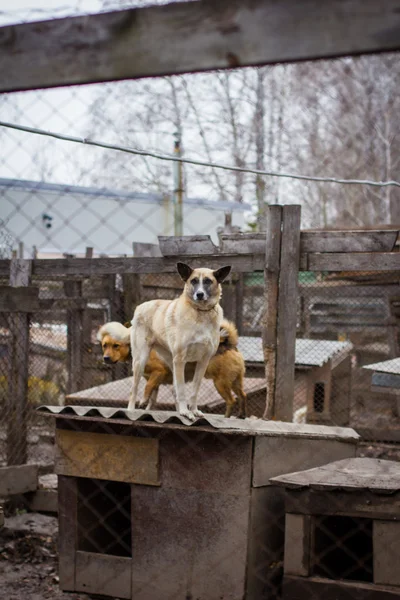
[{"x": 182, "y": 330}]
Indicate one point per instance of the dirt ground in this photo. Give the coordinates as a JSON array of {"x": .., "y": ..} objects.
[{"x": 28, "y": 559}]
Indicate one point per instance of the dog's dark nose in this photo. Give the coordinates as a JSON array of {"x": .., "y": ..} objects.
[
  {"x": 200, "y": 295},
  {"x": 106, "y": 359}
]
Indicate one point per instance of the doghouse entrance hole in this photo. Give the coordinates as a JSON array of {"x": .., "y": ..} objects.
[
  {"x": 319, "y": 397},
  {"x": 343, "y": 548},
  {"x": 104, "y": 517}
]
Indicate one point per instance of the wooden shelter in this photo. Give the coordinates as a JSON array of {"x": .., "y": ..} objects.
[
  {"x": 152, "y": 506},
  {"x": 342, "y": 530}
]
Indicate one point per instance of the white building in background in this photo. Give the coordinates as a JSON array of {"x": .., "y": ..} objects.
[{"x": 59, "y": 219}]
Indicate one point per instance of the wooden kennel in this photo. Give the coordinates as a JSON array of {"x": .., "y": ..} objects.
[
  {"x": 342, "y": 532},
  {"x": 159, "y": 509}
]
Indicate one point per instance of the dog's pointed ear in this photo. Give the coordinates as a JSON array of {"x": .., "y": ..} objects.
[
  {"x": 222, "y": 273},
  {"x": 184, "y": 271}
]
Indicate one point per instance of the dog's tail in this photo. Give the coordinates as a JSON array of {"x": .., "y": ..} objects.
[
  {"x": 228, "y": 333},
  {"x": 116, "y": 330}
]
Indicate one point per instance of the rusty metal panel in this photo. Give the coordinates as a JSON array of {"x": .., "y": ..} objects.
[
  {"x": 111, "y": 457},
  {"x": 188, "y": 544},
  {"x": 206, "y": 461},
  {"x": 103, "y": 574}
]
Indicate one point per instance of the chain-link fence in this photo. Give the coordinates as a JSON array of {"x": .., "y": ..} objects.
[{"x": 152, "y": 509}]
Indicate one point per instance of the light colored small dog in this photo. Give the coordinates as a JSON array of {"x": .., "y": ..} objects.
[
  {"x": 180, "y": 331},
  {"x": 226, "y": 368}
]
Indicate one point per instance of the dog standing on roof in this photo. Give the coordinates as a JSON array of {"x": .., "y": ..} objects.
[{"x": 181, "y": 331}]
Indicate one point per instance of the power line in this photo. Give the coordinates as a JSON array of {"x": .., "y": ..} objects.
[{"x": 199, "y": 163}]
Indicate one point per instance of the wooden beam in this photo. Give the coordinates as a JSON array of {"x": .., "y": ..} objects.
[
  {"x": 17, "y": 392},
  {"x": 191, "y": 36},
  {"x": 380, "y": 240},
  {"x": 287, "y": 313},
  {"x": 19, "y": 299},
  {"x": 65, "y": 268},
  {"x": 354, "y": 261},
  {"x": 74, "y": 338},
  {"x": 271, "y": 296}
]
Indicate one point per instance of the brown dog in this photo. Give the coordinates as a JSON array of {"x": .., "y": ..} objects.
[{"x": 226, "y": 368}]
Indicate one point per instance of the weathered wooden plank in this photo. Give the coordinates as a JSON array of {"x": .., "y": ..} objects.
[
  {"x": 348, "y": 241},
  {"x": 144, "y": 250},
  {"x": 68, "y": 535},
  {"x": 354, "y": 261},
  {"x": 287, "y": 313},
  {"x": 348, "y": 474},
  {"x": 386, "y": 544},
  {"x": 18, "y": 299},
  {"x": 74, "y": 339},
  {"x": 243, "y": 243},
  {"x": 186, "y": 245},
  {"x": 86, "y": 267},
  {"x": 1, "y": 517},
  {"x": 362, "y": 504},
  {"x": 297, "y": 544},
  {"x": 101, "y": 573},
  {"x": 18, "y": 479},
  {"x": 271, "y": 294},
  {"x": 315, "y": 587},
  {"x": 18, "y": 358},
  {"x": 109, "y": 457},
  {"x": 192, "y": 36}
]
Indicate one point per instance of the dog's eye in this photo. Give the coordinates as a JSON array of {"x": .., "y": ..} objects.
[
  {"x": 115, "y": 346},
  {"x": 194, "y": 281},
  {"x": 207, "y": 281}
]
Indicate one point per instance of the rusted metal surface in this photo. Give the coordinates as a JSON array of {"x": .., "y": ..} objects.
[
  {"x": 109, "y": 457},
  {"x": 249, "y": 427}
]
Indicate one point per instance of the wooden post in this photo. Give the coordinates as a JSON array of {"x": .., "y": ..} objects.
[
  {"x": 239, "y": 290},
  {"x": 74, "y": 338},
  {"x": 280, "y": 317},
  {"x": 287, "y": 312},
  {"x": 17, "y": 396},
  {"x": 271, "y": 290}
]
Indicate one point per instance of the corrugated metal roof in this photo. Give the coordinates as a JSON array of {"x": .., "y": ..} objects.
[
  {"x": 386, "y": 366},
  {"x": 250, "y": 426},
  {"x": 313, "y": 353},
  {"x": 350, "y": 474}
]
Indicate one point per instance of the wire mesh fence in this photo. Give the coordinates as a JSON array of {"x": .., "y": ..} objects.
[{"x": 199, "y": 524}]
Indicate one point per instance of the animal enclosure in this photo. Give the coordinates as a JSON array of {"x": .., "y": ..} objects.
[{"x": 311, "y": 307}]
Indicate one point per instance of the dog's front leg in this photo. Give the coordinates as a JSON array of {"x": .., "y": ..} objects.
[
  {"x": 179, "y": 385},
  {"x": 199, "y": 373}
]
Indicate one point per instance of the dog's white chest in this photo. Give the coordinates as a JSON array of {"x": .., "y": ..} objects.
[{"x": 200, "y": 343}]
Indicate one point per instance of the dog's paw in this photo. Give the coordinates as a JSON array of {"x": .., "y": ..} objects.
[
  {"x": 197, "y": 413},
  {"x": 143, "y": 404},
  {"x": 187, "y": 413}
]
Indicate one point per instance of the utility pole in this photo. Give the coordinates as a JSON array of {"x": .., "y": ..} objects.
[{"x": 178, "y": 187}]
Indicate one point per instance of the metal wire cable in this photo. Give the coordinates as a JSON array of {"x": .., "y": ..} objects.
[{"x": 190, "y": 161}]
